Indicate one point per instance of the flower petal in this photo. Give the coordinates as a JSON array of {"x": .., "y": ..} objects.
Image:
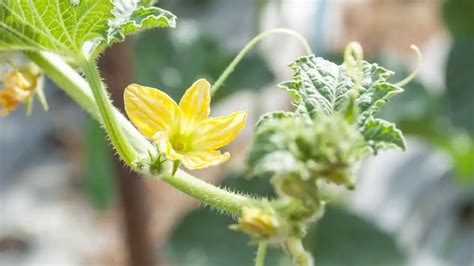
[
  {"x": 204, "y": 158},
  {"x": 164, "y": 146},
  {"x": 196, "y": 101},
  {"x": 150, "y": 110},
  {"x": 220, "y": 131}
]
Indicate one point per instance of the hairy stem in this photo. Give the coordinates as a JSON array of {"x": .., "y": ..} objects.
[
  {"x": 230, "y": 68},
  {"x": 261, "y": 252},
  {"x": 300, "y": 256},
  {"x": 79, "y": 90},
  {"x": 207, "y": 193},
  {"x": 104, "y": 104}
]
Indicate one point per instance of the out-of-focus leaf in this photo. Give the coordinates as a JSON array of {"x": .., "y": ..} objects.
[
  {"x": 341, "y": 238},
  {"x": 458, "y": 17},
  {"x": 172, "y": 64},
  {"x": 99, "y": 175},
  {"x": 424, "y": 114},
  {"x": 203, "y": 239},
  {"x": 460, "y": 87}
]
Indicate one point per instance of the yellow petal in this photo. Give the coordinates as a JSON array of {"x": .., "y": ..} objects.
[
  {"x": 218, "y": 132},
  {"x": 150, "y": 110},
  {"x": 164, "y": 146},
  {"x": 195, "y": 103},
  {"x": 204, "y": 158}
]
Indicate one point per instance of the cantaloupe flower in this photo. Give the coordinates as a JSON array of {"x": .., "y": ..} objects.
[
  {"x": 17, "y": 88},
  {"x": 183, "y": 131}
]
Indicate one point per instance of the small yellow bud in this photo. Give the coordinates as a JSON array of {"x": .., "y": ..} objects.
[{"x": 256, "y": 221}]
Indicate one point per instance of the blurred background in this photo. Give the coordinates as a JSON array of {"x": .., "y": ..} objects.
[{"x": 64, "y": 199}]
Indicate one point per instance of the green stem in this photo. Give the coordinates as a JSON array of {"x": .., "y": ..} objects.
[
  {"x": 230, "y": 68},
  {"x": 207, "y": 193},
  {"x": 104, "y": 104},
  {"x": 297, "y": 252},
  {"x": 261, "y": 251}
]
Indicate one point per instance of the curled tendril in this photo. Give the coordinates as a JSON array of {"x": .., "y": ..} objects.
[
  {"x": 412, "y": 75},
  {"x": 353, "y": 58}
]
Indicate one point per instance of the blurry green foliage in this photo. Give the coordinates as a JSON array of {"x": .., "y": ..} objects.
[
  {"x": 458, "y": 17},
  {"x": 424, "y": 114},
  {"x": 340, "y": 238},
  {"x": 172, "y": 63},
  {"x": 343, "y": 238},
  {"x": 460, "y": 87},
  {"x": 98, "y": 178}
]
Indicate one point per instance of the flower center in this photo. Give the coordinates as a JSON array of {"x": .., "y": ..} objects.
[{"x": 178, "y": 145}]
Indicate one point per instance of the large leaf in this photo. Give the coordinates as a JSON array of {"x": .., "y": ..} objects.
[
  {"x": 320, "y": 86},
  {"x": 73, "y": 28},
  {"x": 60, "y": 26}
]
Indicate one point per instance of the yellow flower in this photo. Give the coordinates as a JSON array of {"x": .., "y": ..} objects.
[
  {"x": 183, "y": 131},
  {"x": 17, "y": 88}
]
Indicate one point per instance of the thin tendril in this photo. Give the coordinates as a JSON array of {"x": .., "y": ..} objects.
[
  {"x": 249, "y": 46},
  {"x": 353, "y": 57},
  {"x": 412, "y": 75}
]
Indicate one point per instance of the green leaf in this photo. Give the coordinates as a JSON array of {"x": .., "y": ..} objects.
[
  {"x": 132, "y": 16},
  {"x": 381, "y": 134},
  {"x": 59, "y": 26},
  {"x": 322, "y": 87},
  {"x": 74, "y": 28}
]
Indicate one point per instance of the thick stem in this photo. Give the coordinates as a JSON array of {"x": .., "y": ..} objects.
[
  {"x": 261, "y": 252},
  {"x": 104, "y": 104},
  {"x": 230, "y": 68},
  {"x": 300, "y": 256},
  {"x": 207, "y": 193}
]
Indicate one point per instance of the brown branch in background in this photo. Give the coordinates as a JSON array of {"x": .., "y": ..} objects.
[{"x": 116, "y": 66}]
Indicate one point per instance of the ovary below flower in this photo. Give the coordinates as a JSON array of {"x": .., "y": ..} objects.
[{"x": 183, "y": 131}]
